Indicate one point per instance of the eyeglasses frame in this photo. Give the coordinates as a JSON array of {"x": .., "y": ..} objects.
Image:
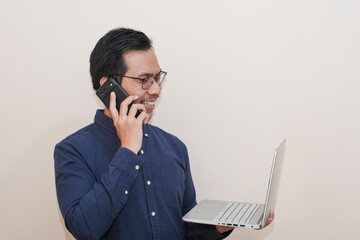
[{"x": 143, "y": 79}]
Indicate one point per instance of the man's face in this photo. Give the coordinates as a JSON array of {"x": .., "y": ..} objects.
[{"x": 142, "y": 64}]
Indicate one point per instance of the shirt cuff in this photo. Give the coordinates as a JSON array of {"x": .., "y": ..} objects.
[{"x": 126, "y": 160}]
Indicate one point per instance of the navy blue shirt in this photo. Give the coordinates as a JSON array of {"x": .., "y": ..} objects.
[{"x": 108, "y": 192}]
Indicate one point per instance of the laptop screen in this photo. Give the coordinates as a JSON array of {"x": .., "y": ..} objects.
[{"x": 274, "y": 181}]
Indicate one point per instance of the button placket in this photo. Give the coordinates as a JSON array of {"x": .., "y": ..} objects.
[{"x": 150, "y": 196}]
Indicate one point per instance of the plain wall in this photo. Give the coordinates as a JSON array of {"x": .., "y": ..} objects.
[{"x": 242, "y": 75}]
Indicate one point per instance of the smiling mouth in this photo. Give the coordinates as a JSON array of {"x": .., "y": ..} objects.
[{"x": 152, "y": 104}]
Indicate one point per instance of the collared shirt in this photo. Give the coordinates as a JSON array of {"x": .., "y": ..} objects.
[{"x": 108, "y": 192}]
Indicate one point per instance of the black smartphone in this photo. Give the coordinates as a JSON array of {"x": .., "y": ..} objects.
[{"x": 111, "y": 85}]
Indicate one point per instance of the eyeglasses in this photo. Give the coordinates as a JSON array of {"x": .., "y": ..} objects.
[{"x": 147, "y": 82}]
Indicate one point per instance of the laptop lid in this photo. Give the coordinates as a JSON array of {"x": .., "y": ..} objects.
[{"x": 274, "y": 181}]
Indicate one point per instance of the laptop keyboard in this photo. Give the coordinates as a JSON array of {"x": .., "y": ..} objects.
[{"x": 237, "y": 213}]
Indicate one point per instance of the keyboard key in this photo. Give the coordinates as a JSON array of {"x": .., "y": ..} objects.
[
  {"x": 253, "y": 213},
  {"x": 248, "y": 212},
  {"x": 222, "y": 212},
  {"x": 241, "y": 213},
  {"x": 235, "y": 212},
  {"x": 228, "y": 212}
]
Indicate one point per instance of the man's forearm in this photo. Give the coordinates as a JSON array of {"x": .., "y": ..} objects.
[{"x": 89, "y": 214}]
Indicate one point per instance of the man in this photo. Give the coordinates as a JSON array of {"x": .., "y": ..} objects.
[{"x": 120, "y": 177}]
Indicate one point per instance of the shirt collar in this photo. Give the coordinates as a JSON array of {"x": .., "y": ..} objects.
[{"x": 104, "y": 121}]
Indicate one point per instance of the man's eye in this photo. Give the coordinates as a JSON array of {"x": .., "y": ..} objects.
[{"x": 147, "y": 79}]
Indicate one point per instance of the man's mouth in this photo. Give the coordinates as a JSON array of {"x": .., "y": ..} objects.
[{"x": 147, "y": 103}]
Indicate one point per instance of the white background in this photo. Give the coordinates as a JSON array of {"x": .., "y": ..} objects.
[{"x": 242, "y": 75}]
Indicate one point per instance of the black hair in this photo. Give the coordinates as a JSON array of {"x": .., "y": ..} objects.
[{"x": 107, "y": 56}]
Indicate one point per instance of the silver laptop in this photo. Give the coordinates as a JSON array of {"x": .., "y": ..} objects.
[{"x": 238, "y": 214}]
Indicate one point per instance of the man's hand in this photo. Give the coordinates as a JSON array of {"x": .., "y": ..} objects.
[
  {"x": 223, "y": 229},
  {"x": 128, "y": 128},
  {"x": 270, "y": 219}
]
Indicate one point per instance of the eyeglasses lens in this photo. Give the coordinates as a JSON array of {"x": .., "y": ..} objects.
[{"x": 159, "y": 79}]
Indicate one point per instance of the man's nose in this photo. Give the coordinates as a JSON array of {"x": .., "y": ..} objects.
[{"x": 154, "y": 89}]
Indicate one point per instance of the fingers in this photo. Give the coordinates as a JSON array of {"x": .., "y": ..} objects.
[
  {"x": 270, "y": 219},
  {"x": 272, "y": 214},
  {"x": 143, "y": 116},
  {"x": 125, "y": 105},
  {"x": 112, "y": 106},
  {"x": 268, "y": 222},
  {"x": 134, "y": 108}
]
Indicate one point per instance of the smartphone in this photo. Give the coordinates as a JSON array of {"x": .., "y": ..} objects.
[{"x": 111, "y": 85}]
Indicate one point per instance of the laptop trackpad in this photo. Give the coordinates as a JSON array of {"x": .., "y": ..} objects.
[{"x": 207, "y": 209}]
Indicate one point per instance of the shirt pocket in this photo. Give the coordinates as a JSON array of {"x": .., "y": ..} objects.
[{"x": 173, "y": 179}]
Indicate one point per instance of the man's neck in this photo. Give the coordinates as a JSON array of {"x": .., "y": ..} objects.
[{"x": 107, "y": 112}]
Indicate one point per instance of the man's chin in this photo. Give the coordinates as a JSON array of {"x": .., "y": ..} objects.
[{"x": 150, "y": 116}]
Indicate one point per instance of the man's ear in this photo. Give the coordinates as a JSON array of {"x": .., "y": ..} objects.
[{"x": 103, "y": 80}]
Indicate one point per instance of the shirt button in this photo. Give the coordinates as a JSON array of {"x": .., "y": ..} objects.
[
  {"x": 137, "y": 167},
  {"x": 126, "y": 192},
  {"x": 153, "y": 214},
  {"x": 146, "y": 135},
  {"x": 142, "y": 151},
  {"x": 148, "y": 182}
]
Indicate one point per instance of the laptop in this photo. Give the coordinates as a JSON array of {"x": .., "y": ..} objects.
[{"x": 239, "y": 214}]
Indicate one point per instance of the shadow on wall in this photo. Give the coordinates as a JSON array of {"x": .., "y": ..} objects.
[{"x": 251, "y": 234}]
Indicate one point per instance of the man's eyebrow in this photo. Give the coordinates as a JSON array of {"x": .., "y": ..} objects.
[{"x": 146, "y": 74}]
